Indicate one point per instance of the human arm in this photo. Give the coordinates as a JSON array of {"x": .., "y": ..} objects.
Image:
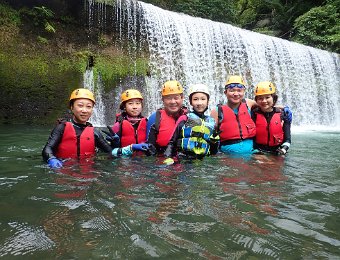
[
  {"x": 111, "y": 137},
  {"x": 151, "y": 132},
  {"x": 100, "y": 142},
  {"x": 286, "y": 139},
  {"x": 129, "y": 149},
  {"x": 214, "y": 114},
  {"x": 171, "y": 148},
  {"x": 124, "y": 151},
  {"x": 251, "y": 103},
  {"x": 53, "y": 142}
]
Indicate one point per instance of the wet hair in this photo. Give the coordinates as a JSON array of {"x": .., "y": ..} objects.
[{"x": 275, "y": 97}]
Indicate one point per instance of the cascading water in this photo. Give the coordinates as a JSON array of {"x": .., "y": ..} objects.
[
  {"x": 194, "y": 50},
  {"x": 97, "y": 118}
]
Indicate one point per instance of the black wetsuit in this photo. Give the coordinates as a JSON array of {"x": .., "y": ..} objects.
[{"x": 57, "y": 134}]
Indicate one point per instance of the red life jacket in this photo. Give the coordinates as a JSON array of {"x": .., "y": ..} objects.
[
  {"x": 71, "y": 147},
  {"x": 233, "y": 126},
  {"x": 269, "y": 134},
  {"x": 128, "y": 135},
  {"x": 166, "y": 126}
]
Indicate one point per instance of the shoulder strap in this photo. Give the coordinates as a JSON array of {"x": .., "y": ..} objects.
[
  {"x": 120, "y": 119},
  {"x": 219, "y": 116},
  {"x": 158, "y": 120}
]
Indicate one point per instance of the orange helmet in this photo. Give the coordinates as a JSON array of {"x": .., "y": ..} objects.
[
  {"x": 235, "y": 80},
  {"x": 82, "y": 93},
  {"x": 172, "y": 87},
  {"x": 129, "y": 94},
  {"x": 265, "y": 88}
]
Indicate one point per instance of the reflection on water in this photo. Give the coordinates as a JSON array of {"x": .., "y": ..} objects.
[{"x": 217, "y": 208}]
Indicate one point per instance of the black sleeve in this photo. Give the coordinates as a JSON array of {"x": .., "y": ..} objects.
[
  {"x": 286, "y": 131},
  {"x": 214, "y": 147},
  {"x": 101, "y": 143},
  {"x": 53, "y": 142},
  {"x": 152, "y": 136},
  {"x": 171, "y": 149}
]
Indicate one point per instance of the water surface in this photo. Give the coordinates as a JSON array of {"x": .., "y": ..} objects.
[{"x": 137, "y": 208}]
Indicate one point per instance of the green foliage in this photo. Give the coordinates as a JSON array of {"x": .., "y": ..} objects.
[
  {"x": 43, "y": 12},
  {"x": 320, "y": 27},
  {"x": 42, "y": 40},
  {"x": 112, "y": 69},
  {"x": 31, "y": 89},
  {"x": 9, "y": 16},
  {"x": 41, "y": 17},
  {"x": 102, "y": 41},
  {"x": 9, "y": 23},
  {"x": 271, "y": 17},
  {"x": 49, "y": 28}
]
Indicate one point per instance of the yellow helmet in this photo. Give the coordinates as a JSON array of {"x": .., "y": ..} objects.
[
  {"x": 265, "y": 88},
  {"x": 82, "y": 93},
  {"x": 235, "y": 80},
  {"x": 129, "y": 94},
  {"x": 172, "y": 87}
]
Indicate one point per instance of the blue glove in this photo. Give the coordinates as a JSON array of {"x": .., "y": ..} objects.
[
  {"x": 140, "y": 147},
  {"x": 287, "y": 115},
  {"x": 55, "y": 163}
]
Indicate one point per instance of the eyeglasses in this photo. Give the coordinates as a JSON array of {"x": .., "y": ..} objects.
[{"x": 234, "y": 85}]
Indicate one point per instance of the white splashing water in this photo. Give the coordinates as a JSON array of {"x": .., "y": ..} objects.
[
  {"x": 194, "y": 50},
  {"x": 97, "y": 118}
]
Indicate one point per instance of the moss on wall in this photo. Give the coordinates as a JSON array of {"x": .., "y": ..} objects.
[{"x": 37, "y": 77}]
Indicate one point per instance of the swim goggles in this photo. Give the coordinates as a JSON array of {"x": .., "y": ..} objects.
[{"x": 234, "y": 85}]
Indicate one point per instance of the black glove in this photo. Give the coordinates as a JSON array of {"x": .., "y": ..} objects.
[
  {"x": 151, "y": 151},
  {"x": 112, "y": 137},
  {"x": 282, "y": 150}
]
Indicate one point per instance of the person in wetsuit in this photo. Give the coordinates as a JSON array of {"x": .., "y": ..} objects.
[{"x": 75, "y": 138}]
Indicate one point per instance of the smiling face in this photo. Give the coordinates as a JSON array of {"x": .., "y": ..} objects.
[
  {"x": 265, "y": 102},
  {"x": 133, "y": 107},
  {"x": 234, "y": 96},
  {"x": 172, "y": 103},
  {"x": 82, "y": 109},
  {"x": 199, "y": 102}
]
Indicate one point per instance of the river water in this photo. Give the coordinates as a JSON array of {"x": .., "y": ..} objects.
[{"x": 136, "y": 208}]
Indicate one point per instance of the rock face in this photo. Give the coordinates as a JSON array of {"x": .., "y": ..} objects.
[
  {"x": 73, "y": 8},
  {"x": 39, "y": 69}
]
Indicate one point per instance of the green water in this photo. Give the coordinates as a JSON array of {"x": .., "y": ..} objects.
[{"x": 264, "y": 207}]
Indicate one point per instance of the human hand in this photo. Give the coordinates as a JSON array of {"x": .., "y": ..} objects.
[
  {"x": 287, "y": 115},
  {"x": 214, "y": 138},
  {"x": 55, "y": 163},
  {"x": 140, "y": 147},
  {"x": 169, "y": 161},
  {"x": 151, "y": 150},
  {"x": 282, "y": 150},
  {"x": 112, "y": 137}
]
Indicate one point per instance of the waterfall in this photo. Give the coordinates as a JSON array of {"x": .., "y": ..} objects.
[
  {"x": 194, "y": 50},
  {"x": 97, "y": 118}
]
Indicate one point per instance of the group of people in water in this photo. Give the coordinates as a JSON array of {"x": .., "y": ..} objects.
[{"x": 241, "y": 126}]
